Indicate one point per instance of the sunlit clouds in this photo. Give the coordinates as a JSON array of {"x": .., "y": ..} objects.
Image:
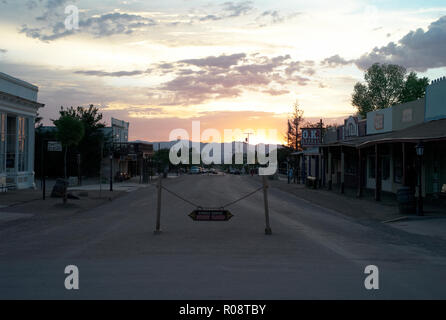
[{"x": 229, "y": 64}]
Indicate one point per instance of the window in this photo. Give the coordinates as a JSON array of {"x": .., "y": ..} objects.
[
  {"x": 351, "y": 129},
  {"x": 23, "y": 144}
]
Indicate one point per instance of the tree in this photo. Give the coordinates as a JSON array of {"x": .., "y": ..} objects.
[
  {"x": 293, "y": 131},
  {"x": 90, "y": 145},
  {"x": 386, "y": 85},
  {"x": 70, "y": 132},
  {"x": 414, "y": 88},
  {"x": 38, "y": 121}
]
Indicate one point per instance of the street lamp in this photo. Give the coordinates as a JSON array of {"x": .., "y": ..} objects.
[
  {"x": 420, "y": 151},
  {"x": 288, "y": 168}
]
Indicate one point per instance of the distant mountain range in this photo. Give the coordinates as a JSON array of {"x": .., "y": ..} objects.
[{"x": 233, "y": 145}]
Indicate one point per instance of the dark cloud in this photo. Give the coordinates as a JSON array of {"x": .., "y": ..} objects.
[
  {"x": 418, "y": 50},
  {"x": 229, "y": 76},
  {"x": 222, "y": 61},
  {"x": 219, "y": 77},
  {"x": 237, "y": 9},
  {"x": 100, "y": 73},
  {"x": 101, "y": 26},
  {"x": 271, "y": 17},
  {"x": 228, "y": 10},
  {"x": 115, "y": 23},
  {"x": 3, "y": 50},
  {"x": 210, "y": 17},
  {"x": 336, "y": 61}
]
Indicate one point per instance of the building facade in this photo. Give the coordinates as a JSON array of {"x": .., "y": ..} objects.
[
  {"x": 18, "y": 111},
  {"x": 385, "y": 159}
]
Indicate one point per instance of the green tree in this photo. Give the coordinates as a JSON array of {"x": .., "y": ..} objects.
[
  {"x": 70, "y": 132},
  {"x": 386, "y": 85},
  {"x": 90, "y": 145},
  {"x": 414, "y": 88},
  {"x": 161, "y": 159}
]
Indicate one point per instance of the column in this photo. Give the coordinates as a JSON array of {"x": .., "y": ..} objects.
[
  {"x": 16, "y": 159},
  {"x": 330, "y": 177},
  {"x": 342, "y": 169},
  {"x": 31, "y": 150},
  {"x": 320, "y": 160},
  {"x": 377, "y": 174},
  {"x": 404, "y": 182},
  {"x": 359, "y": 174}
]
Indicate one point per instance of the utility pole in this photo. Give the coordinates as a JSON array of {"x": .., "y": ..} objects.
[{"x": 248, "y": 135}]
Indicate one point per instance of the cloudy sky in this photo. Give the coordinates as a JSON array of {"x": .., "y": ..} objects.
[{"x": 236, "y": 64}]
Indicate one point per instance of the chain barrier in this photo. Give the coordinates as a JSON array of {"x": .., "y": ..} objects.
[
  {"x": 221, "y": 207},
  {"x": 180, "y": 197}
]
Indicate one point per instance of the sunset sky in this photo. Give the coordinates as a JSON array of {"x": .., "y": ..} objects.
[{"x": 239, "y": 64}]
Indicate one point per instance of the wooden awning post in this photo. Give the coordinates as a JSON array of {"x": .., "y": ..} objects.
[
  {"x": 359, "y": 174},
  {"x": 377, "y": 174},
  {"x": 330, "y": 177},
  {"x": 404, "y": 164},
  {"x": 342, "y": 170}
]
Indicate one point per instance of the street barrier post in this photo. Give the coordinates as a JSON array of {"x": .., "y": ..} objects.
[{"x": 268, "y": 230}]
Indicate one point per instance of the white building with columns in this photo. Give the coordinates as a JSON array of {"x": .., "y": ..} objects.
[{"x": 18, "y": 111}]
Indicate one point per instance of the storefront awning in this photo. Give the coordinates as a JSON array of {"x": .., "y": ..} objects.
[{"x": 428, "y": 131}]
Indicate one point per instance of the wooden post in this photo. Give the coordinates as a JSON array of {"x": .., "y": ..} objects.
[
  {"x": 268, "y": 230},
  {"x": 342, "y": 170},
  {"x": 377, "y": 174},
  {"x": 319, "y": 169},
  {"x": 404, "y": 182},
  {"x": 330, "y": 176},
  {"x": 158, "y": 206},
  {"x": 359, "y": 174}
]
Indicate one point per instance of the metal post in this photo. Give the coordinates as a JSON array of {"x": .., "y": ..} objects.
[
  {"x": 158, "y": 206},
  {"x": 268, "y": 230}
]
